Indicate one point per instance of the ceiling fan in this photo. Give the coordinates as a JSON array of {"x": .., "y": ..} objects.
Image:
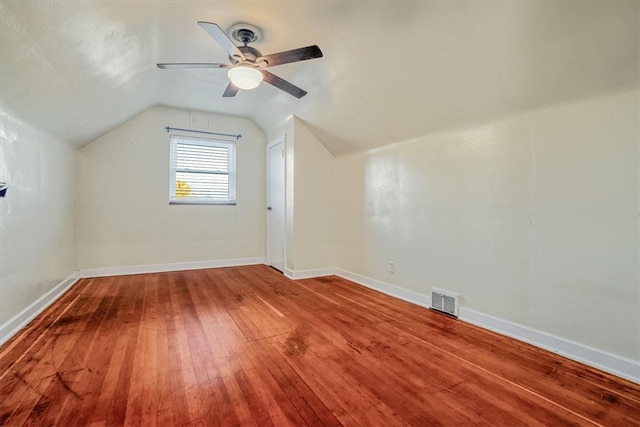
[{"x": 248, "y": 66}]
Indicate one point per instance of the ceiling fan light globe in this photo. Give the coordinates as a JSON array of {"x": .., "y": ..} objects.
[{"x": 244, "y": 77}]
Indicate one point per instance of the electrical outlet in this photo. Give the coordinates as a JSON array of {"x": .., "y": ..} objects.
[{"x": 392, "y": 267}]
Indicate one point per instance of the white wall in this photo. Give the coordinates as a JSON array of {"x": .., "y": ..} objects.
[
  {"x": 533, "y": 219},
  {"x": 124, "y": 216},
  {"x": 37, "y": 216},
  {"x": 314, "y": 202}
]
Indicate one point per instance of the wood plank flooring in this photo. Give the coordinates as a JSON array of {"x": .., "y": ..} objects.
[{"x": 246, "y": 346}]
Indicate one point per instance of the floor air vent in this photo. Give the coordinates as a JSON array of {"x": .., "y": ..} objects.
[{"x": 445, "y": 301}]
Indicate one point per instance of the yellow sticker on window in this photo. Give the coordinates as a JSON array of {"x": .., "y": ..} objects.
[{"x": 183, "y": 190}]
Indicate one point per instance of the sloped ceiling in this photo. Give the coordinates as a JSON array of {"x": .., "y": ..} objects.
[{"x": 391, "y": 71}]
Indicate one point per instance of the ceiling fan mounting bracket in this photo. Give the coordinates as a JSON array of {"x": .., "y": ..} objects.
[{"x": 245, "y": 33}]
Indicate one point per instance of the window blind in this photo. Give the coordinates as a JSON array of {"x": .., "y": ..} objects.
[{"x": 202, "y": 171}]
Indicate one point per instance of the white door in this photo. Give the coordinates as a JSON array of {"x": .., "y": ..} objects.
[{"x": 275, "y": 205}]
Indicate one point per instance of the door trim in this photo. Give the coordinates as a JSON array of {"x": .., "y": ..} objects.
[{"x": 281, "y": 139}]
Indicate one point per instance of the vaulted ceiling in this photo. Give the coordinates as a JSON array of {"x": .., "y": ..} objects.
[{"x": 391, "y": 70}]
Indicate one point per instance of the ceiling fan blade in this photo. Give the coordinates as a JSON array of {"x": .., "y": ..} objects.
[
  {"x": 284, "y": 85},
  {"x": 230, "y": 91},
  {"x": 222, "y": 38},
  {"x": 295, "y": 55},
  {"x": 192, "y": 65}
]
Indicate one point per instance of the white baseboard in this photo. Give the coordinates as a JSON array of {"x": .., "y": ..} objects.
[
  {"x": 161, "y": 268},
  {"x": 308, "y": 274},
  {"x": 20, "y": 320},
  {"x": 394, "y": 291},
  {"x": 617, "y": 365}
]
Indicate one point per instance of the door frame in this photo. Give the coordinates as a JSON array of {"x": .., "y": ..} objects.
[{"x": 281, "y": 139}]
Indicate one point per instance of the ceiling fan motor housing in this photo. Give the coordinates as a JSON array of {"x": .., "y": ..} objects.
[{"x": 250, "y": 53}]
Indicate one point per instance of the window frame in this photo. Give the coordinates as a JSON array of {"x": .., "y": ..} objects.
[{"x": 174, "y": 141}]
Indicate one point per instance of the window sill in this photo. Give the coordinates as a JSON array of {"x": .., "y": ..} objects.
[{"x": 195, "y": 202}]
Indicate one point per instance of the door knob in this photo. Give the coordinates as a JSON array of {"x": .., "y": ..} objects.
[{"x": 268, "y": 208}]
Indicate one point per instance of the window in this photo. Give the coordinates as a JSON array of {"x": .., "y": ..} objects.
[{"x": 202, "y": 171}]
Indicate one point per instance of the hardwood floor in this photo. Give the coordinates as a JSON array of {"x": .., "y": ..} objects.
[{"x": 246, "y": 346}]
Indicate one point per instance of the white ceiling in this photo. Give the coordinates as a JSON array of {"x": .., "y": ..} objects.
[{"x": 391, "y": 70}]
